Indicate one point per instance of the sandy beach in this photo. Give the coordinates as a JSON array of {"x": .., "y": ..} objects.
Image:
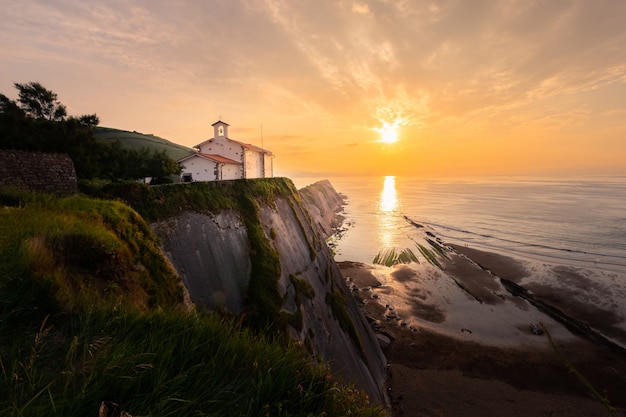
[{"x": 461, "y": 344}]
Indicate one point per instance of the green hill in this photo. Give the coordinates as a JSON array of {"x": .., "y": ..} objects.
[{"x": 138, "y": 140}]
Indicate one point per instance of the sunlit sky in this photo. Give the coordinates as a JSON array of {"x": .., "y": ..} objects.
[{"x": 380, "y": 87}]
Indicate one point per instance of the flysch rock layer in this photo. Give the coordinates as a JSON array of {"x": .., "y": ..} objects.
[{"x": 210, "y": 252}]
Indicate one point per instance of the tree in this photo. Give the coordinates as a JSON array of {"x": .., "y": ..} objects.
[
  {"x": 39, "y": 123},
  {"x": 89, "y": 120},
  {"x": 159, "y": 166},
  {"x": 40, "y": 102},
  {"x": 9, "y": 107}
]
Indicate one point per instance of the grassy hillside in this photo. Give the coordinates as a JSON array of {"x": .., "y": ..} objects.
[
  {"x": 138, "y": 140},
  {"x": 158, "y": 203},
  {"x": 93, "y": 323}
]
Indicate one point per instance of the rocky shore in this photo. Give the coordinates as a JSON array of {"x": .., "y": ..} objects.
[{"x": 461, "y": 342}]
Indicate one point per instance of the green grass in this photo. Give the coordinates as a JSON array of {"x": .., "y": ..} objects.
[
  {"x": 83, "y": 251},
  {"x": 137, "y": 141},
  {"x": 95, "y": 324},
  {"x": 302, "y": 288},
  {"x": 158, "y": 203},
  {"x": 336, "y": 299},
  {"x": 164, "y": 201},
  {"x": 163, "y": 364}
]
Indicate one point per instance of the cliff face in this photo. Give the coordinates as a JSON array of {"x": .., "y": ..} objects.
[
  {"x": 323, "y": 203},
  {"x": 210, "y": 253},
  {"x": 213, "y": 255}
]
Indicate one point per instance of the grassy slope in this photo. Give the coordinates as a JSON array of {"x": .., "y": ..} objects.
[
  {"x": 158, "y": 203},
  {"x": 96, "y": 326},
  {"x": 138, "y": 140}
]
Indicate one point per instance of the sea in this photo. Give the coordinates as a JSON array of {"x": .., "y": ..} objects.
[
  {"x": 575, "y": 221},
  {"x": 569, "y": 234}
]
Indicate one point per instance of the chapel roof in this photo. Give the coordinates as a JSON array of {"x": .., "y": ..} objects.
[
  {"x": 220, "y": 158},
  {"x": 252, "y": 147},
  {"x": 216, "y": 158},
  {"x": 245, "y": 145}
]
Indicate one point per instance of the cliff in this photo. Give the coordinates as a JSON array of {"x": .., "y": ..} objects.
[
  {"x": 257, "y": 248},
  {"x": 98, "y": 319},
  {"x": 323, "y": 203}
]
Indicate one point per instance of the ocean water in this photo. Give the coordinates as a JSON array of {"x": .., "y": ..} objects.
[
  {"x": 568, "y": 234},
  {"x": 579, "y": 222}
]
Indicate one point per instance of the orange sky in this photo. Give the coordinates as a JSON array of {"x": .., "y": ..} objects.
[{"x": 481, "y": 87}]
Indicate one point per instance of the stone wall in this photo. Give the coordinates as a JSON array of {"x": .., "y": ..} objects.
[{"x": 39, "y": 171}]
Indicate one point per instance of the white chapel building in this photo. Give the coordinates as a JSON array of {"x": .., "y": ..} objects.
[{"x": 222, "y": 158}]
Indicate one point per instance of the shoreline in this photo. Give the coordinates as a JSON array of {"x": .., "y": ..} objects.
[
  {"x": 583, "y": 322},
  {"x": 459, "y": 344},
  {"x": 566, "y": 295}
]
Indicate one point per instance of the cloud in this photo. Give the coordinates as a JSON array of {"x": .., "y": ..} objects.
[
  {"x": 360, "y": 8},
  {"x": 326, "y": 67}
]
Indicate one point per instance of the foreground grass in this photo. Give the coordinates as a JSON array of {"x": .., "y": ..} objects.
[
  {"x": 159, "y": 364},
  {"x": 84, "y": 252},
  {"x": 92, "y": 323}
]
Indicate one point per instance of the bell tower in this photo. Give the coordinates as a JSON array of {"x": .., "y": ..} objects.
[{"x": 220, "y": 129}]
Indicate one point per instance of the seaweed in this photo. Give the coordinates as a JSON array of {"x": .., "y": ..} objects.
[
  {"x": 390, "y": 257},
  {"x": 429, "y": 255}
]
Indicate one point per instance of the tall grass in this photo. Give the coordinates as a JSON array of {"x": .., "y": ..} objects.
[
  {"x": 160, "y": 364},
  {"x": 90, "y": 324},
  {"x": 602, "y": 399}
]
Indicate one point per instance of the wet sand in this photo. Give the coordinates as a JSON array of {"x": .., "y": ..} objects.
[{"x": 442, "y": 367}]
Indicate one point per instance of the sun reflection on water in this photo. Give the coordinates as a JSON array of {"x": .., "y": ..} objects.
[
  {"x": 389, "y": 197},
  {"x": 388, "y": 204}
]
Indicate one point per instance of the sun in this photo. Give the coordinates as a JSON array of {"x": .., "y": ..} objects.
[{"x": 388, "y": 132}]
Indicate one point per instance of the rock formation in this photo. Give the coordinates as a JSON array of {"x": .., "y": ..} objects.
[{"x": 212, "y": 254}]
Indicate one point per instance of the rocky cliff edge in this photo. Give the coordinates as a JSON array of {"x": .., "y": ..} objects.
[{"x": 215, "y": 254}]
